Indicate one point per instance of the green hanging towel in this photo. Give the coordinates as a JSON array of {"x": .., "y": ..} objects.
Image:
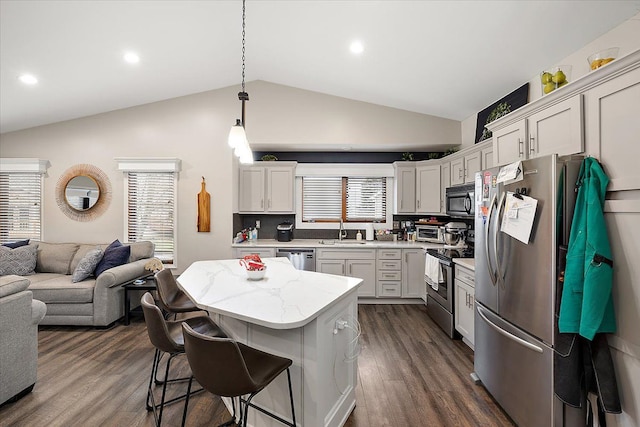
[{"x": 586, "y": 307}]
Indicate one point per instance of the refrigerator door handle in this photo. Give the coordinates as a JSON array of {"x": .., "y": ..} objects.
[
  {"x": 508, "y": 334},
  {"x": 492, "y": 273},
  {"x": 500, "y": 205}
]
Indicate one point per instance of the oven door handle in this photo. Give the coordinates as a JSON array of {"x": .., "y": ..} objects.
[{"x": 467, "y": 203}]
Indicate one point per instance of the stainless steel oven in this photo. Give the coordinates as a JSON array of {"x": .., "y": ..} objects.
[
  {"x": 429, "y": 233},
  {"x": 440, "y": 302}
]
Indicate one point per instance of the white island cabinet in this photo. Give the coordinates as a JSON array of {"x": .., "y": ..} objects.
[{"x": 305, "y": 316}]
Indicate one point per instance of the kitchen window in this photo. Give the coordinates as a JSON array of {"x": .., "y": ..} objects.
[
  {"x": 352, "y": 199},
  {"x": 151, "y": 195},
  {"x": 21, "y": 199}
]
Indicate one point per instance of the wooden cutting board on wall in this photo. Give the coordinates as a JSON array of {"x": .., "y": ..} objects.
[{"x": 204, "y": 209}]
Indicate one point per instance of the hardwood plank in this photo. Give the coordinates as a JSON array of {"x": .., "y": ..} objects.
[{"x": 409, "y": 373}]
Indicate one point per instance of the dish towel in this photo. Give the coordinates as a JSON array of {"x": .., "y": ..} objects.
[{"x": 432, "y": 272}]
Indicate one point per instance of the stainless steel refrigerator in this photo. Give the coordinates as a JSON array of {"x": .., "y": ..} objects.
[{"x": 515, "y": 289}]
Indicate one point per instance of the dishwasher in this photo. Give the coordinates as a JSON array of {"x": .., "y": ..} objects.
[{"x": 302, "y": 259}]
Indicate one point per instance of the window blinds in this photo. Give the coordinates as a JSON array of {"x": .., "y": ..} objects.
[
  {"x": 20, "y": 206},
  {"x": 366, "y": 199},
  {"x": 151, "y": 211},
  {"x": 322, "y": 199}
]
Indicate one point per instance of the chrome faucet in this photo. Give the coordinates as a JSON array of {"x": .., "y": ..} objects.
[{"x": 343, "y": 233}]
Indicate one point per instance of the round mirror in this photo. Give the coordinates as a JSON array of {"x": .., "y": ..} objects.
[{"x": 82, "y": 192}]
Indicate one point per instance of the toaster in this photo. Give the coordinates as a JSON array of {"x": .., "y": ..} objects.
[{"x": 284, "y": 232}]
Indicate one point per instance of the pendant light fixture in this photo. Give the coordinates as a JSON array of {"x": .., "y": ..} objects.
[{"x": 237, "y": 136}]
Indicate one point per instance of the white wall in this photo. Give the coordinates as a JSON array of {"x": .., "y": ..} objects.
[
  {"x": 194, "y": 129},
  {"x": 626, "y": 36}
]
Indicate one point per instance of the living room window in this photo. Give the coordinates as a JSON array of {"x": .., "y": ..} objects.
[
  {"x": 21, "y": 199},
  {"x": 151, "y": 195}
]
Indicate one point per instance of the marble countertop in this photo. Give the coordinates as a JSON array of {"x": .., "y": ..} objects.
[
  {"x": 335, "y": 243},
  {"x": 285, "y": 299},
  {"x": 469, "y": 263}
]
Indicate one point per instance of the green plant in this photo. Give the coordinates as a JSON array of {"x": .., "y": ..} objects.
[
  {"x": 407, "y": 156},
  {"x": 268, "y": 158},
  {"x": 434, "y": 155},
  {"x": 449, "y": 151}
]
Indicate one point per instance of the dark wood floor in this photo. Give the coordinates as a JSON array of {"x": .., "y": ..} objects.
[{"x": 409, "y": 374}]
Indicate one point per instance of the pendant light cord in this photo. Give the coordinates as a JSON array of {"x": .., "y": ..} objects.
[{"x": 243, "y": 33}]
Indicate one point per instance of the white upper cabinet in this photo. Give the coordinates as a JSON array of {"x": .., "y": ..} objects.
[
  {"x": 405, "y": 175},
  {"x": 613, "y": 129},
  {"x": 445, "y": 182},
  {"x": 428, "y": 189},
  {"x": 509, "y": 143},
  {"x": 557, "y": 129},
  {"x": 267, "y": 188}
]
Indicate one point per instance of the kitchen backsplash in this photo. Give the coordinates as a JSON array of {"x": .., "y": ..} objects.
[{"x": 268, "y": 224}]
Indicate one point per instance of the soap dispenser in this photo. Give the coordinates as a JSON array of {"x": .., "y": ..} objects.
[{"x": 359, "y": 235}]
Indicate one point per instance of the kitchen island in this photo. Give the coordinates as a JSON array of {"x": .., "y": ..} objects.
[{"x": 308, "y": 317}]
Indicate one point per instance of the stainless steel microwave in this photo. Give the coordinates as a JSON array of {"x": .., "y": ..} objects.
[{"x": 460, "y": 202}]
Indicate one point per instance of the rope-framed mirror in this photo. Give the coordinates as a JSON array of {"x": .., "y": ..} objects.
[{"x": 83, "y": 192}]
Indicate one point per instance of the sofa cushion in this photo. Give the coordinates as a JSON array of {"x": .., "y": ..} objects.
[
  {"x": 12, "y": 284},
  {"x": 17, "y": 244},
  {"x": 53, "y": 288},
  {"x": 113, "y": 257},
  {"x": 20, "y": 261},
  {"x": 87, "y": 265},
  {"x": 82, "y": 251},
  {"x": 141, "y": 250},
  {"x": 55, "y": 257}
]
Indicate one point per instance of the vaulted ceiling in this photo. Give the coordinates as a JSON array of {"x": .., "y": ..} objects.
[{"x": 444, "y": 58}]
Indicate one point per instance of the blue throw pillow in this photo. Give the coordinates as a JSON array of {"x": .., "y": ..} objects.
[
  {"x": 17, "y": 244},
  {"x": 116, "y": 254}
]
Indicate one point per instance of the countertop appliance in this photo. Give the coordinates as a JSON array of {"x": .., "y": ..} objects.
[
  {"x": 515, "y": 290},
  {"x": 302, "y": 259},
  {"x": 429, "y": 233},
  {"x": 454, "y": 233},
  {"x": 459, "y": 201},
  {"x": 284, "y": 232},
  {"x": 440, "y": 302}
]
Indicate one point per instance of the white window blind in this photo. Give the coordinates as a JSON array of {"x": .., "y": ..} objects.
[
  {"x": 366, "y": 199},
  {"x": 321, "y": 198},
  {"x": 151, "y": 211},
  {"x": 20, "y": 206},
  {"x": 363, "y": 199}
]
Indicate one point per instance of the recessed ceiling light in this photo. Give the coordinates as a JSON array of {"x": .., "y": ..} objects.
[
  {"x": 28, "y": 79},
  {"x": 356, "y": 47},
  {"x": 131, "y": 57}
]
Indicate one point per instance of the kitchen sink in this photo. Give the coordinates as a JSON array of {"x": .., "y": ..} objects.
[{"x": 342, "y": 242}]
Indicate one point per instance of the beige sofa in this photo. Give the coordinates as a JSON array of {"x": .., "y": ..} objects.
[
  {"x": 93, "y": 301},
  {"x": 19, "y": 318}
]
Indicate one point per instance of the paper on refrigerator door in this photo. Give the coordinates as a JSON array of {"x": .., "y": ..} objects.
[
  {"x": 518, "y": 217},
  {"x": 510, "y": 173}
]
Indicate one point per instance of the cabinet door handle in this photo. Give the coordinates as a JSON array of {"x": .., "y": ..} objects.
[
  {"x": 401, "y": 203},
  {"x": 342, "y": 268},
  {"x": 531, "y": 144},
  {"x": 350, "y": 269},
  {"x": 466, "y": 299},
  {"x": 418, "y": 202},
  {"x": 520, "y": 148},
  {"x": 262, "y": 203},
  {"x": 460, "y": 173}
]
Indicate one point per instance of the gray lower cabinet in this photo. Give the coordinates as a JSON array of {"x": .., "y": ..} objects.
[
  {"x": 389, "y": 273},
  {"x": 359, "y": 263},
  {"x": 464, "y": 301},
  {"x": 262, "y": 252},
  {"x": 413, "y": 284}
]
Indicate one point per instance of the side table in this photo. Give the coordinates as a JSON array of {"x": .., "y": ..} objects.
[{"x": 149, "y": 284}]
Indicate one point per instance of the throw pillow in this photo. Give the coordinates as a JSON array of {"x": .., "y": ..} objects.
[
  {"x": 113, "y": 257},
  {"x": 17, "y": 244},
  {"x": 115, "y": 244},
  {"x": 87, "y": 265},
  {"x": 20, "y": 261}
]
